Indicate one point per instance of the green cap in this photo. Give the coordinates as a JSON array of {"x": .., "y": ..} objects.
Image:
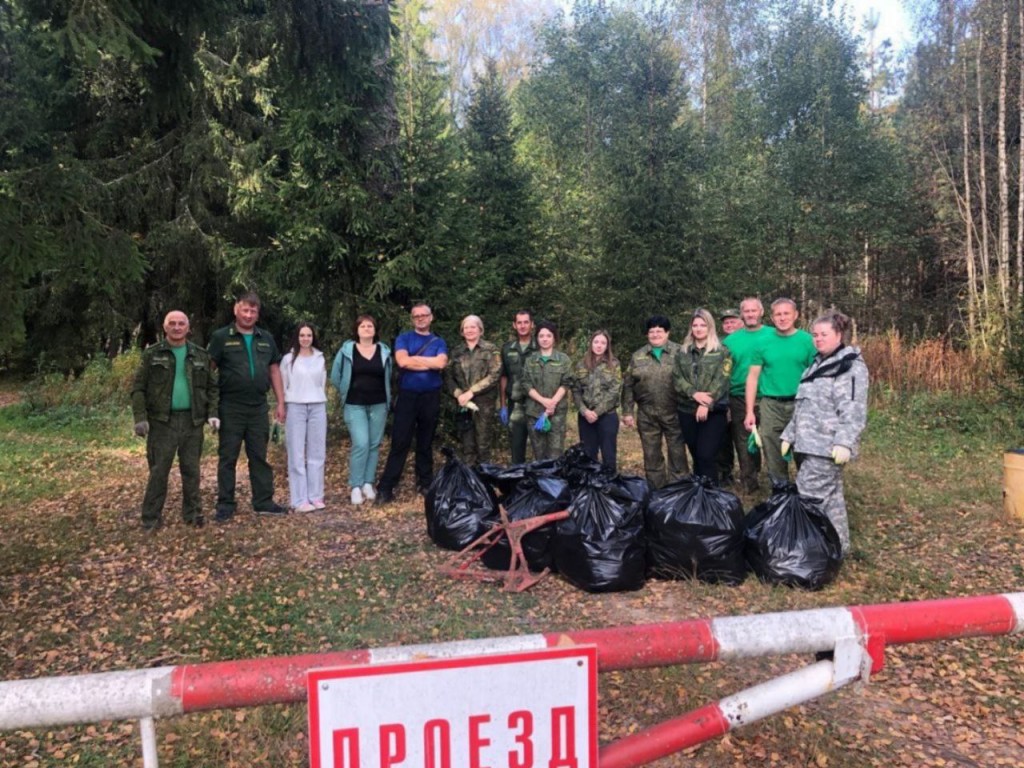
[{"x": 730, "y": 312}]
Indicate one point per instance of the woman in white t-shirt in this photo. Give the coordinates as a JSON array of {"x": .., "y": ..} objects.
[{"x": 304, "y": 373}]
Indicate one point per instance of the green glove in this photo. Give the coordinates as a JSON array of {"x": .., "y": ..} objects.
[{"x": 753, "y": 442}]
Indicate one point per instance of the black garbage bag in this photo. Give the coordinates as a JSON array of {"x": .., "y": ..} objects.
[
  {"x": 506, "y": 479},
  {"x": 533, "y": 496},
  {"x": 695, "y": 529},
  {"x": 600, "y": 547},
  {"x": 460, "y": 507},
  {"x": 579, "y": 469},
  {"x": 789, "y": 540}
]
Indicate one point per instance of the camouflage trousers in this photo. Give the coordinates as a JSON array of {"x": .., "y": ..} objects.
[
  {"x": 775, "y": 415},
  {"x": 475, "y": 443},
  {"x": 655, "y": 428},
  {"x": 821, "y": 478},
  {"x": 176, "y": 436},
  {"x": 548, "y": 445}
]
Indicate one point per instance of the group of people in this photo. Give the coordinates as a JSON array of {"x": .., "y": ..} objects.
[{"x": 723, "y": 400}]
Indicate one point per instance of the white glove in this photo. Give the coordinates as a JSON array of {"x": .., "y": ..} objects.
[
  {"x": 214, "y": 423},
  {"x": 757, "y": 438},
  {"x": 786, "y": 447},
  {"x": 840, "y": 454},
  {"x": 472, "y": 406}
]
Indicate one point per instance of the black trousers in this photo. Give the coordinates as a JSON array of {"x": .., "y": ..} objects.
[
  {"x": 415, "y": 417},
  {"x": 704, "y": 438},
  {"x": 601, "y": 436}
]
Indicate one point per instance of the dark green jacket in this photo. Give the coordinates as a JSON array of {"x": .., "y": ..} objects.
[
  {"x": 512, "y": 361},
  {"x": 154, "y": 384},
  {"x": 238, "y": 384},
  {"x": 647, "y": 384},
  {"x": 699, "y": 371},
  {"x": 546, "y": 378}
]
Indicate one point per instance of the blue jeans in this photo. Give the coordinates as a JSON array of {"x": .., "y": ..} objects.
[{"x": 366, "y": 428}]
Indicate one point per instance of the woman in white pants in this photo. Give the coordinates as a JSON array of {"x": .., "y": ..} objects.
[{"x": 304, "y": 373}]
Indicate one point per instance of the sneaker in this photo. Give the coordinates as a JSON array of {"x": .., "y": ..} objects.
[
  {"x": 196, "y": 522},
  {"x": 318, "y": 504},
  {"x": 357, "y": 495},
  {"x": 274, "y": 510},
  {"x": 307, "y": 507},
  {"x": 368, "y": 493},
  {"x": 383, "y": 497}
]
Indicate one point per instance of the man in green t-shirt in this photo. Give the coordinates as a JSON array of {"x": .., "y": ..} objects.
[
  {"x": 744, "y": 344},
  {"x": 174, "y": 392},
  {"x": 773, "y": 379}
]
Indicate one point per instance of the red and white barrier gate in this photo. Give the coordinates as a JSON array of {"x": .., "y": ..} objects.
[{"x": 856, "y": 636}]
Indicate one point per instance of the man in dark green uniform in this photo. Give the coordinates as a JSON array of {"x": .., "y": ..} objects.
[
  {"x": 511, "y": 395},
  {"x": 248, "y": 364},
  {"x": 174, "y": 392},
  {"x": 647, "y": 388}
]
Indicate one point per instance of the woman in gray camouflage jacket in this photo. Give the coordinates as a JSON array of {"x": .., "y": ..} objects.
[{"x": 830, "y": 414}]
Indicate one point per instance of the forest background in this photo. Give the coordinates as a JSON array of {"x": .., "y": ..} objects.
[{"x": 596, "y": 165}]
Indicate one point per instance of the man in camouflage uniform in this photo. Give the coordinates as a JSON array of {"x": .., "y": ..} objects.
[
  {"x": 512, "y": 396},
  {"x": 174, "y": 392},
  {"x": 648, "y": 385},
  {"x": 472, "y": 376},
  {"x": 830, "y": 415}
]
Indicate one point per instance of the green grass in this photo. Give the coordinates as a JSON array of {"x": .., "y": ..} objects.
[
  {"x": 42, "y": 450},
  {"x": 90, "y": 592}
]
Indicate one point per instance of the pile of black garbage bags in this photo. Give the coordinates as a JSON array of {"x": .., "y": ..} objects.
[{"x": 619, "y": 533}]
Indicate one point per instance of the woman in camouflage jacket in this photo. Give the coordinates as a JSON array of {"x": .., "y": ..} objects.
[
  {"x": 701, "y": 377},
  {"x": 597, "y": 387},
  {"x": 830, "y": 414}
]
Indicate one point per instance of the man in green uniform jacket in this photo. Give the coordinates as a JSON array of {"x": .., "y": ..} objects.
[
  {"x": 512, "y": 395},
  {"x": 248, "y": 364},
  {"x": 647, "y": 386},
  {"x": 774, "y": 377},
  {"x": 174, "y": 392}
]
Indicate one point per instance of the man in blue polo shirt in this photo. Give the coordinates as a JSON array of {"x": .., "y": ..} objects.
[{"x": 421, "y": 357}]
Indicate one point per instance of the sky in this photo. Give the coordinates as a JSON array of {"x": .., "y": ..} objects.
[{"x": 893, "y": 23}]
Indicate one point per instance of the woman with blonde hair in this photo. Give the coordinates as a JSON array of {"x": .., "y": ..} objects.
[
  {"x": 596, "y": 389},
  {"x": 472, "y": 376},
  {"x": 701, "y": 377}
]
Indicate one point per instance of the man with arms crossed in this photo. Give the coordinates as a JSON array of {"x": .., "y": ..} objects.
[
  {"x": 421, "y": 357},
  {"x": 774, "y": 375},
  {"x": 248, "y": 364}
]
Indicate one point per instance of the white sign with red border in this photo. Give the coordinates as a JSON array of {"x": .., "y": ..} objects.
[{"x": 530, "y": 709}]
